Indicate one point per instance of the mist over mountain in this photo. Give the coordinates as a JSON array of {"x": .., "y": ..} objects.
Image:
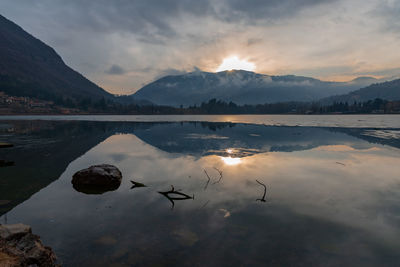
[
  {"x": 386, "y": 90},
  {"x": 29, "y": 67},
  {"x": 242, "y": 87}
]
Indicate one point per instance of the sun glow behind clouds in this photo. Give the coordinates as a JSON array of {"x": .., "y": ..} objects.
[{"x": 234, "y": 63}]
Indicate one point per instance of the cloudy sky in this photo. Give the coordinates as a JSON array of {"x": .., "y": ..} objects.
[{"x": 123, "y": 44}]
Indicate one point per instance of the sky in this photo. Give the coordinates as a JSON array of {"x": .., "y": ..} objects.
[{"x": 124, "y": 44}]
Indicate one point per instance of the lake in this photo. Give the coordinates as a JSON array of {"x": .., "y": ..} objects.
[{"x": 332, "y": 189}]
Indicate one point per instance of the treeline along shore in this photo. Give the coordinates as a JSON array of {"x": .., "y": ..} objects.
[{"x": 26, "y": 105}]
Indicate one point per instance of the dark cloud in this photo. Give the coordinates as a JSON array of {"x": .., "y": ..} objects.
[
  {"x": 252, "y": 11},
  {"x": 154, "y": 16},
  {"x": 115, "y": 70},
  {"x": 146, "y": 18},
  {"x": 152, "y": 19},
  {"x": 389, "y": 11}
]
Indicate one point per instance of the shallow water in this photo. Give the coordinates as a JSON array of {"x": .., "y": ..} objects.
[
  {"x": 358, "y": 121},
  {"x": 332, "y": 198}
]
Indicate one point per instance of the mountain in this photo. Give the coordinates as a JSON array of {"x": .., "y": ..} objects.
[
  {"x": 29, "y": 67},
  {"x": 242, "y": 87},
  {"x": 386, "y": 90},
  {"x": 366, "y": 80}
]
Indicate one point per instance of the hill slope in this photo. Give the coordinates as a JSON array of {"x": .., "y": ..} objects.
[
  {"x": 29, "y": 67},
  {"x": 241, "y": 87},
  {"x": 386, "y": 90}
]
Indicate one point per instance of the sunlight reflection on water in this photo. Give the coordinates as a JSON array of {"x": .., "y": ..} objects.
[{"x": 231, "y": 161}]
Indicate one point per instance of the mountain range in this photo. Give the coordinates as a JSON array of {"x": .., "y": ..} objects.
[
  {"x": 387, "y": 90},
  {"x": 242, "y": 87},
  {"x": 29, "y": 67}
]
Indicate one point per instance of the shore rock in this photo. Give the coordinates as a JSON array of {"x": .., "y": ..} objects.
[
  {"x": 19, "y": 247},
  {"x": 97, "y": 179}
]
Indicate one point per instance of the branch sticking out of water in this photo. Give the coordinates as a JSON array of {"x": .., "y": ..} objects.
[
  {"x": 208, "y": 181},
  {"x": 178, "y": 195},
  {"x": 137, "y": 184},
  {"x": 265, "y": 192},
  {"x": 220, "y": 175}
]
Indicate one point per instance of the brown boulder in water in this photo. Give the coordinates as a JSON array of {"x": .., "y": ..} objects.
[{"x": 97, "y": 179}]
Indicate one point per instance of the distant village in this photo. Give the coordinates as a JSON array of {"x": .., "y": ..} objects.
[{"x": 27, "y": 105}]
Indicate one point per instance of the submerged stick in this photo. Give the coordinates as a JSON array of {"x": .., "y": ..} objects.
[
  {"x": 265, "y": 192},
  {"x": 205, "y": 204}
]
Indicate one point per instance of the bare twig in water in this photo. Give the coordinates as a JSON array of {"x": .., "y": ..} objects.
[
  {"x": 220, "y": 175},
  {"x": 208, "y": 181},
  {"x": 337, "y": 162},
  {"x": 265, "y": 192},
  {"x": 178, "y": 195},
  {"x": 137, "y": 184}
]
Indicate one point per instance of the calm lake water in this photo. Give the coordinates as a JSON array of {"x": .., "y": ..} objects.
[{"x": 332, "y": 189}]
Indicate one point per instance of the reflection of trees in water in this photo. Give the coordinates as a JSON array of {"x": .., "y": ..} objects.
[
  {"x": 213, "y": 126},
  {"x": 5, "y": 163}
]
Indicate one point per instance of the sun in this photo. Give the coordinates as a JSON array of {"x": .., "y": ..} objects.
[{"x": 234, "y": 63}]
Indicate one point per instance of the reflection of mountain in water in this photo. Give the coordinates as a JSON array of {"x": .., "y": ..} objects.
[
  {"x": 198, "y": 140},
  {"x": 44, "y": 149},
  {"x": 390, "y": 137},
  {"x": 42, "y": 152}
]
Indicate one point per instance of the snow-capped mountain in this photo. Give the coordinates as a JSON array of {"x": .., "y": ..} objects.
[{"x": 241, "y": 87}]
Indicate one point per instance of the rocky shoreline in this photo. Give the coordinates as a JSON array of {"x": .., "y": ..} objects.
[{"x": 20, "y": 247}]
